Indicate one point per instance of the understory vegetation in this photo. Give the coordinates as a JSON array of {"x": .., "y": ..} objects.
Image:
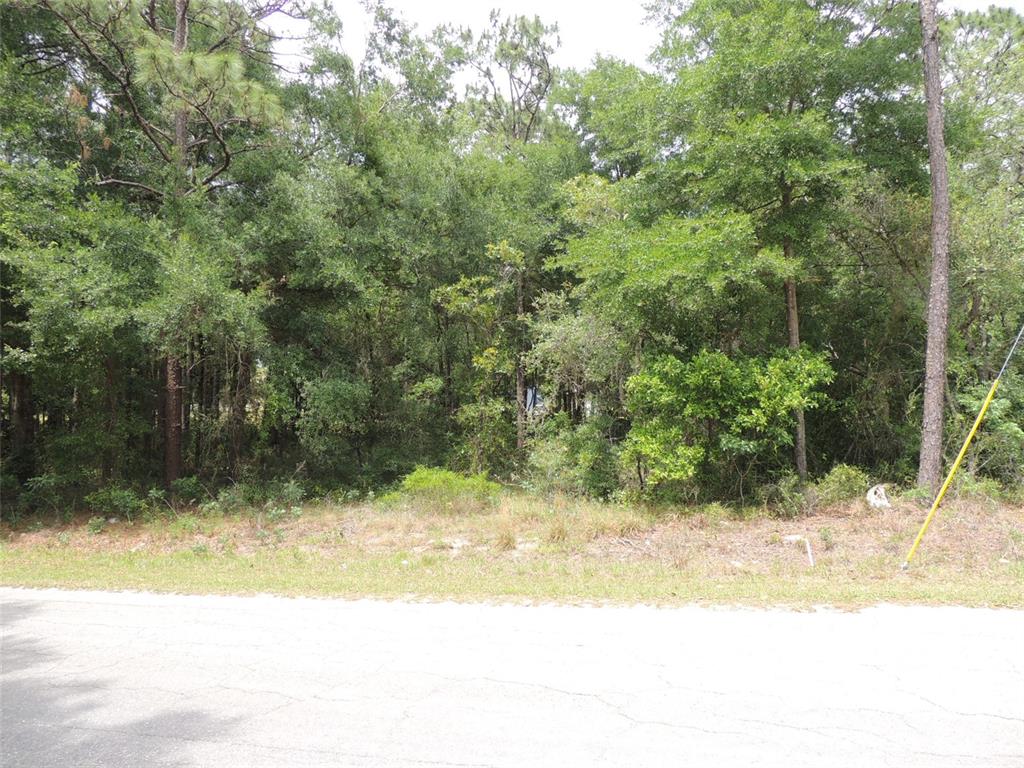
[
  {"x": 434, "y": 540},
  {"x": 451, "y": 276}
]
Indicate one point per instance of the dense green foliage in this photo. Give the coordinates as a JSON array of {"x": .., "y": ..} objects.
[{"x": 570, "y": 280}]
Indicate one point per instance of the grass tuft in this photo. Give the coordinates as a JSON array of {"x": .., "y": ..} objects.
[{"x": 506, "y": 539}]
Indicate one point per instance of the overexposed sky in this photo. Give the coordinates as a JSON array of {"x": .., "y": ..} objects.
[{"x": 586, "y": 28}]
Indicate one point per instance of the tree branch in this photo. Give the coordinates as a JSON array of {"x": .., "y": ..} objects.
[
  {"x": 123, "y": 80},
  {"x": 132, "y": 184}
]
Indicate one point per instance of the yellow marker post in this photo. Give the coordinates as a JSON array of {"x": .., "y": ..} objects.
[{"x": 963, "y": 452}]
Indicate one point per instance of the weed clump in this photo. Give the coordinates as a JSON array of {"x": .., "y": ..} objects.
[
  {"x": 788, "y": 497},
  {"x": 842, "y": 483},
  {"x": 506, "y": 540},
  {"x": 445, "y": 491},
  {"x": 557, "y": 533}
]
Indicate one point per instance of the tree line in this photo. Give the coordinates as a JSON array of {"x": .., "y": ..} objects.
[{"x": 689, "y": 281}]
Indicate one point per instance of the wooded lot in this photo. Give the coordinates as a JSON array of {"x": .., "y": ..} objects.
[{"x": 706, "y": 280}]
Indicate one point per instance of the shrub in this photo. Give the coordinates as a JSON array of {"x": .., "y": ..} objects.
[
  {"x": 916, "y": 494},
  {"x": 186, "y": 524},
  {"x": 488, "y": 435},
  {"x": 578, "y": 460},
  {"x": 444, "y": 490},
  {"x": 716, "y": 416},
  {"x": 232, "y": 498},
  {"x": 276, "y": 514},
  {"x": 211, "y": 509},
  {"x": 842, "y": 483},
  {"x": 968, "y": 486},
  {"x": 157, "y": 497},
  {"x": 244, "y": 495},
  {"x": 116, "y": 501},
  {"x": 188, "y": 490},
  {"x": 96, "y": 525},
  {"x": 49, "y": 491},
  {"x": 290, "y": 493},
  {"x": 998, "y": 449},
  {"x": 788, "y": 497}
]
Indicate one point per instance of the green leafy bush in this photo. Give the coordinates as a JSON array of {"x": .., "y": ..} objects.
[
  {"x": 188, "y": 490},
  {"x": 842, "y": 483},
  {"x": 787, "y": 497},
  {"x": 235, "y": 497},
  {"x": 186, "y": 524},
  {"x": 488, "y": 435},
  {"x": 96, "y": 525},
  {"x": 247, "y": 495},
  {"x": 442, "y": 490},
  {"x": 968, "y": 486},
  {"x": 333, "y": 414},
  {"x": 717, "y": 416},
  {"x": 276, "y": 514},
  {"x": 290, "y": 493},
  {"x": 998, "y": 448},
  {"x": 113, "y": 500},
  {"x": 915, "y": 494},
  {"x": 49, "y": 491},
  {"x": 578, "y": 460}
]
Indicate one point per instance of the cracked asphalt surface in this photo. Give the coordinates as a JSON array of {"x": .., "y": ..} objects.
[{"x": 133, "y": 680}]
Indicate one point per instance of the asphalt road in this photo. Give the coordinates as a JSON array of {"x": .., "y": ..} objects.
[{"x": 140, "y": 680}]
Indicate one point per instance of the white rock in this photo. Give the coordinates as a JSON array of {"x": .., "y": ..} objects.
[{"x": 877, "y": 499}]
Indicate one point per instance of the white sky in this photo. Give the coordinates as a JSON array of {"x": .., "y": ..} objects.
[{"x": 585, "y": 28}]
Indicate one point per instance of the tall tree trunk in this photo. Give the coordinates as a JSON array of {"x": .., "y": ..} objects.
[
  {"x": 23, "y": 425},
  {"x": 239, "y": 404},
  {"x": 172, "y": 421},
  {"x": 793, "y": 332},
  {"x": 520, "y": 405},
  {"x": 181, "y": 116},
  {"x": 929, "y": 470},
  {"x": 793, "y": 327},
  {"x": 520, "y": 367},
  {"x": 113, "y": 449}
]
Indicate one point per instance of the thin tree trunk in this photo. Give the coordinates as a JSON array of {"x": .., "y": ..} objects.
[
  {"x": 520, "y": 369},
  {"x": 172, "y": 420},
  {"x": 23, "y": 425},
  {"x": 793, "y": 327},
  {"x": 181, "y": 116},
  {"x": 239, "y": 403},
  {"x": 793, "y": 332},
  {"x": 187, "y": 398},
  {"x": 520, "y": 405},
  {"x": 930, "y": 468},
  {"x": 113, "y": 450}
]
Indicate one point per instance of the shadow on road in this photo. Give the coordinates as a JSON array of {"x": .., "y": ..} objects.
[{"x": 50, "y": 721}]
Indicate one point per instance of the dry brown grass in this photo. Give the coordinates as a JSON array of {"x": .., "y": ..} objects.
[
  {"x": 506, "y": 539},
  {"x": 852, "y": 545}
]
